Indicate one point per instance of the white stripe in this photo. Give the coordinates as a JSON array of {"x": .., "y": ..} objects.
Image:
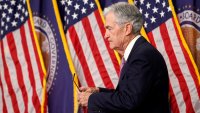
[
  {"x": 76, "y": 62},
  {"x": 1, "y": 97},
  {"x": 7, "y": 97},
  {"x": 23, "y": 65},
  {"x": 88, "y": 55},
  {"x": 103, "y": 50},
  {"x": 1, "y": 75},
  {"x": 183, "y": 66},
  {"x": 172, "y": 77},
  {"x": 13, "y": 75},
  {"x": 36, "y": 73}
]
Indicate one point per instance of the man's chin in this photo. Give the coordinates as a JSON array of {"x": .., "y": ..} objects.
[{"x": 111, "y": 47}]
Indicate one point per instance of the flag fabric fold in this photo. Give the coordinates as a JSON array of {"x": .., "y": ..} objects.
[
  {"x": 163, "y": 32},
  {"x": 21, "y": 69},
  {"x": 59, "y": 77}
]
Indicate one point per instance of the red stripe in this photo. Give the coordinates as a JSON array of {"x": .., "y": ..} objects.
[
  {"x": 151, "y": 39},
  {"x": 176, "y": 68},
  {"x": 110, "y": 51},
  {"x": 96, "y": 54},
  {"x": 4, "y": 103},
  {"x": 8, "y": 80},
  {"x": 20, "y": 80},
  {"x": 189, "y": 63},
  {"x": 35, "y": 98},
  {"x": 79, "y": 52},
  {"x": 173, "y": 103}
]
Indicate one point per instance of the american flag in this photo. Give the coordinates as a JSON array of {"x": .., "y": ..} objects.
[
  {"x": 94, "y": 61},
  {"x": 162, "y": 30},
  {"x": 21, "y": 72}
]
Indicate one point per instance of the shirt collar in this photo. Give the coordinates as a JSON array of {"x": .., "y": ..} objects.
[{"x": 129, "y": 47}]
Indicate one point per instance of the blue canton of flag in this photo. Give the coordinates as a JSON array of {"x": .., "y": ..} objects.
[
  {"x": 12, "y": 15},
  {"x": 75, "y": 10},
  {"x": 155, "y": 12}
]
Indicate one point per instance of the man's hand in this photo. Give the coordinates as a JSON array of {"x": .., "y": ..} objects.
[{"x": 83, "y": 96}]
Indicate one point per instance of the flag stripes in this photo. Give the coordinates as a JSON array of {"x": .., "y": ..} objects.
[
  {"x": 111, "y": 54},
  {"x": 72, "y": 34},
  {"x": 165, "y": 36},
  {"x": 171, "y": 44},
  {"x": 95, "y": 51},
  {"x": 2, "y": 102},
  {"x": 86, "y": 39},
  {"x": 21, "y": 74}
]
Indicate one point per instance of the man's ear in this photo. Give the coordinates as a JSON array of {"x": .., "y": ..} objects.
[{"x": 128, "y": 28}]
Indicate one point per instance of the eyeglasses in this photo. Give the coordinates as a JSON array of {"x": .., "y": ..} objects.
[{"x": 75, "y": 83}]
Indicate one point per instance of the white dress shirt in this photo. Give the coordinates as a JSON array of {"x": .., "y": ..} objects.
[{"x": 129, "y": 47}]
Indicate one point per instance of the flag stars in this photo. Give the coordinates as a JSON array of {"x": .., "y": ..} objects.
[
  {"x": 155, "y": 10},
  {"x": 148, "y": 5},
  {"x": 10, "y": 10},
  {"x": 163, "y": 4},
  {"x": 83, "y": 10},
  {"x": 146, "y": 15},
  {"x": 135, "y": 2},
  {"x": 66, "y": 9},
  {"x": 153, "y": 19},
  {"x": 169, "y": 9},
  {"x": 8, "y": 19},
  {"x": 0, "y": 7},
  {"x": 26, "y": 13},
  {"x": 157, "y": 1},
  {"x": 68, "y": 12},
  {"x": 22, "y": 18},
  {"x": 1, "y": 32},
  {"x": 76, "y": 6},
  {"x": 14, "y": 24},
  {"x": 62, "y": 2},
  {"x": 75, "y": 16},
  {"x": 162, "y": 14},
  {"x": 85, "y": 1},
  {"x": 6, "y": 27},
  {"x": 91, "y": 5},
  {"x": 16, "y": 15},
  {"x": 5, "y": 6},
  {"x": 145, "y": 24},
  {"x": 69, "y": 3},
  {"x": 141, "y": 2},
  {"x": 19, "y": 6},
  {"x": 3, "y": 15},
  {"x": 140, "y": 10},
  {"x": 2, "y": 23}
]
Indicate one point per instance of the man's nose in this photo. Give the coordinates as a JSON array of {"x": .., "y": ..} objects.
[{"x": 106, "y": 35}]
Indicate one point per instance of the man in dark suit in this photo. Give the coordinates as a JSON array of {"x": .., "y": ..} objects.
[{"x": 143, "y": 85}]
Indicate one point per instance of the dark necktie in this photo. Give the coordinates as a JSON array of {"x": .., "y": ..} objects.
[{"x": 122, "y": 63}]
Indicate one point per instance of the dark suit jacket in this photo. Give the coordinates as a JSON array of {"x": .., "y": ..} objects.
[{"x": 142, "y": 88}]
